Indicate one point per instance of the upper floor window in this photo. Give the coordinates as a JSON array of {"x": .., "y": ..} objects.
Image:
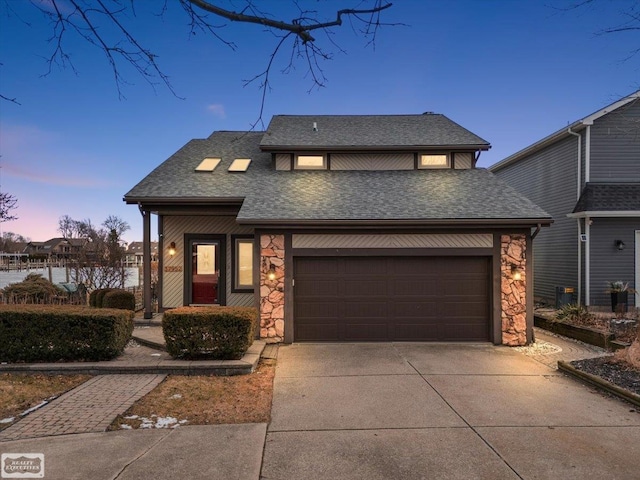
[
  {"x": 434, "y": 160},
  {"x": 311, "y": 162}
]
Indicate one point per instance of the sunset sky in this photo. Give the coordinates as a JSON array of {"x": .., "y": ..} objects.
[{"x": 510, "y": 71}]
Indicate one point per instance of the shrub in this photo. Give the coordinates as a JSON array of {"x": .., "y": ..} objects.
[
  {"x": 44, "y": 333},
  {"x": 120, "y": 299},
  {"x": 222, "y": 333},
  {"x": 573, "y": 313},
  {"x": 100, "y": 293},
  {"x": 33, "y": 289},
  {"x": 93, "y": 298}
]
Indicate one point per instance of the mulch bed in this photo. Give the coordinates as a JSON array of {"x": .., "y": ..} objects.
[{"x": 613, "y": 371}]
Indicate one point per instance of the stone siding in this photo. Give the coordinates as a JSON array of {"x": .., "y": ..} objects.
[
  {"x": 272, "y": 291},
  {"x": 514, "y": 292}
]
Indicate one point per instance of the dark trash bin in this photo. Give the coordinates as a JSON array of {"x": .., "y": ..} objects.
[{"x": 564, "y": 296}]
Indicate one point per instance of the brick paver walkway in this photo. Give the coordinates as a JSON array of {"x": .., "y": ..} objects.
[{"x": 90, "y": 407}]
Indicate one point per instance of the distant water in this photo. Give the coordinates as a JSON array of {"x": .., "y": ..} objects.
[{"x": 58, "y": 275}]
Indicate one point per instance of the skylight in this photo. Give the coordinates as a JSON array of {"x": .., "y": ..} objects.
[
  {"x": 208, "y": 165},
  {"x": 240, "y": 165}
]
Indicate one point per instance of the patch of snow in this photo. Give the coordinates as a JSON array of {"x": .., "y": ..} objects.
[
  {"x": 33, "y": 409},
  {"x": 131, "y": 417},
  {"x": 124, "y": 426},
  {"x": 160, "y": 422},
  {"x": 177, "y": 395},
  {"x": 156, "y": 354},
  {"x": 7, "y": 420}
]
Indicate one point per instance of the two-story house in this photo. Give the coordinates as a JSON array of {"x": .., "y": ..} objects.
[
  {"x": 346, "y": 228},
  {"x": 587, "y": 176}
]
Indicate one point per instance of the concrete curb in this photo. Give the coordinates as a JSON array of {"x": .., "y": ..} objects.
[
  {"x": 247, "y": 364},
  {"x": 599, "y": 382}
]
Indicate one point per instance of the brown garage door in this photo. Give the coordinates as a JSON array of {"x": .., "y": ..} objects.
[{"x": 391, "y": 298}]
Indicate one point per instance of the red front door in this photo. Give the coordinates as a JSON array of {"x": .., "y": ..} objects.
[{"x": 205, "y": 272}]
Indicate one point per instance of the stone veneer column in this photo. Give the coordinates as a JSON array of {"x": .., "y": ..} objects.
[
  {"x": 272, "y": 291},
  {"x": 514, "y": 293}
]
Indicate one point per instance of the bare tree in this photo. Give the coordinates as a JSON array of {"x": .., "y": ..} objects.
[
  {"x": 110, "y": 25},
  {"x": 99, "y": 261},
  {"x": 628, "y": 24},
  {"x": 7, "y": 203}
]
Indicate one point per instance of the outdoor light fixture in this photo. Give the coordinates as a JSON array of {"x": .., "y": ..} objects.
[
  {"x": 619, "y": 244},
  {"x": 172, "y": 249},
  {"x": 516, "y": 273},
  {"x": 271, "y": 273}
]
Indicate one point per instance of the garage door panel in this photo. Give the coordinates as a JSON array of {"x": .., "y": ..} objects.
[
  {"x": 311, "y": 288},
  {"x": 423, "y": 308},
  {"x": 409, "y": 332},
  {"x": 364, "y": 288},
  {"x": 392, "y": 299},
  {"x": 408, "y": 286},
  {"x": 318, "y": 265},
  {"x": 363, "y": 265},
  {"x": 366, "y": 332},
  {"x": 316, "y": 309},
  {"x": 364, "y": 308}
]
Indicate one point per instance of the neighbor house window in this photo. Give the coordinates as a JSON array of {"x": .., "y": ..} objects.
[
  {"x": 311, "y": 162},
  {"x": 434, "y": 160},
  {"x": 242, "y": 264}
]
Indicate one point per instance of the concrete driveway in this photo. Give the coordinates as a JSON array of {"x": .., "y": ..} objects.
[{"x": 444, "y": 411}]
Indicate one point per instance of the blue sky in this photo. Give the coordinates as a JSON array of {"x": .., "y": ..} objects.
[{"x": 510, "y": 71}]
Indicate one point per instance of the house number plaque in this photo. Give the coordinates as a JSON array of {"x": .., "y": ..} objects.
[{"x": 173, "y": 268}]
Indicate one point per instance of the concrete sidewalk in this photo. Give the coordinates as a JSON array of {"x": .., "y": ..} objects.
[{"x": 216, "y": 452}]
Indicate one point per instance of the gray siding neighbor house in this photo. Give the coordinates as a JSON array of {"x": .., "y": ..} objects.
[
  {"x": 587, "y": 176},
  {"x": 345, "y": 228}
]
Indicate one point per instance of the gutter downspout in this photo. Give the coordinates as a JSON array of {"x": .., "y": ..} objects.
[
  {"x": 587, "y": 220},
  {"x": 587, "y": 262},
  {"x": 579, "y": 191}
]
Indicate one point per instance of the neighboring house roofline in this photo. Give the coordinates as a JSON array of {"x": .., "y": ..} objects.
[
  {"x": 605, "y": 213},
  {"x": 563, "y": 132}
]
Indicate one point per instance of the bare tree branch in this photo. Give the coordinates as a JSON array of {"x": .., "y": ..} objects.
[
  {"x": 294, "y": 27},
  {"x": 107, "y": 25}
]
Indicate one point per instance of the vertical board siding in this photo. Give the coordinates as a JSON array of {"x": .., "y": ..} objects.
[
  {"x": 174, "y": 229},
  {"x": 615, "y": 145},
  {"x": 283, "y": 161},
  {"x": 372, "y": 161},
  {"x": 608, "y": 264},
  {"x": 548, "y": 179},
  {"x": 463, "y": 161}
]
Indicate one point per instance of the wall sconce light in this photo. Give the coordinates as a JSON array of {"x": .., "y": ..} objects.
[
  {"x": 619, "y": 244},
  {"x": 516, "y": 273},
  {"x": 271, "y": 273},
  {"x": 172, "y": 249}
]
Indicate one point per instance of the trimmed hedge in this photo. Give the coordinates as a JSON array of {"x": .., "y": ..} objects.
[
  {"x": 221, "y": 333},
  {"x": 45, "y": 333},
  {"x": 120, "y": 299},
  {"x": 100, "y": 293}
]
